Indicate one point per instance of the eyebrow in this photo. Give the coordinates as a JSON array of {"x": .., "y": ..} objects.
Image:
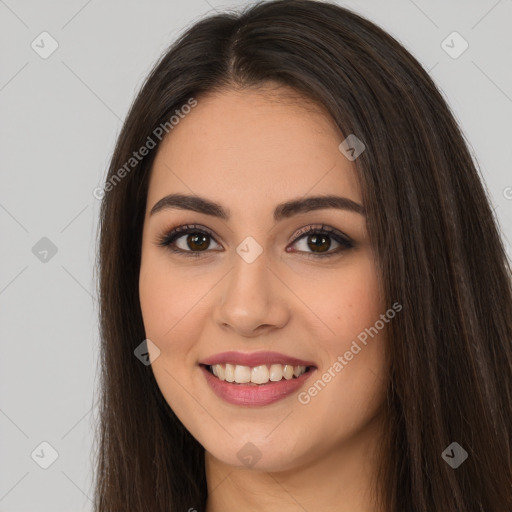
[{"x": 282, "y": 211}]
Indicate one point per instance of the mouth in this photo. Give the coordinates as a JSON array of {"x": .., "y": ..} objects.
[
  {"x": 260, "y": 375},
  {"x": 257, "y": 385}
]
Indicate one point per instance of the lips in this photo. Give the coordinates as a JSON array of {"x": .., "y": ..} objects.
[
  {"x": 253, "y": 394},
  {"x": 255, "y": 359},
  {"x": 250, "y": 394}
]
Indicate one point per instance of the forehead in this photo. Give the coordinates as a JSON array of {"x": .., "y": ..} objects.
[{"x": 253, "y": 146}]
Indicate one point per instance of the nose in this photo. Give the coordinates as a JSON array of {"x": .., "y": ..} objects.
[{"x": 252, "y": 299}]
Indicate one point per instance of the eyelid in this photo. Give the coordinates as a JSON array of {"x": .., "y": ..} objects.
[
  {"x": 344, "y": 241},
  {"x": 315, "y": 228},
  {"x": 174, "y": 233},
  {"x": 171, "y": 235}
]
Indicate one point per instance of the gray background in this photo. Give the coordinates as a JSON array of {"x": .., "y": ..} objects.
[{"x": 60, "y": 117}]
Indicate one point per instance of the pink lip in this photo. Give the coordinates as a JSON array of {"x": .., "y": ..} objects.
[
  {"x": 254, "y": 394},
  {"x": 254, "y": 359}
]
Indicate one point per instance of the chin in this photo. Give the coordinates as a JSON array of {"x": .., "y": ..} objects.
[{"x": 256, "y": 449}]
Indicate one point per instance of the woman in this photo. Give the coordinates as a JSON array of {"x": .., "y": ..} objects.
[{"x": 305, "y": 300}]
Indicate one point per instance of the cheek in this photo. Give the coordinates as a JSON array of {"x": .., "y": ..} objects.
[
  {"x": 167, "y": 298},
  {"x": 344, "y": 301},
  {"x": 353, "y": 386},
  {"x": 167, "y": 301},
  {"x": 174, "y": 312},
  {"x": 164, "y": 306},
  {"x": 175, "y": 305}
]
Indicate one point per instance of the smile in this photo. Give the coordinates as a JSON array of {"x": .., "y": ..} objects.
[
  {"x": 253, "y": 394},
  {"x": 256, "y": 375}
]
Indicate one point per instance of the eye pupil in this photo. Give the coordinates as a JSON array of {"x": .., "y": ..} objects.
[
  {"x": 316, "y": 245},
  {"x": 192, "y": 240},
  {"x": 200, "y": 241}
]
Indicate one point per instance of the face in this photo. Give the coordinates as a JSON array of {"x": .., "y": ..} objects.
[{"x": 296, "y": 284}]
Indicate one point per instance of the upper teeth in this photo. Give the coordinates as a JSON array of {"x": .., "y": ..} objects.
[{"x": 257, "y": 374}]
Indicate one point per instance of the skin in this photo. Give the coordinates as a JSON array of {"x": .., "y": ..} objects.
[{"x": 250, "y": 150}]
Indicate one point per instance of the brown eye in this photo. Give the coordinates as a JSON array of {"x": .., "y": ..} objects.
[
  {"x": 197, "y": 241},
  {"x": 317, "y": 241},
  {"x": 187, "y": 240},
  {"x": 192, "y": 241}
]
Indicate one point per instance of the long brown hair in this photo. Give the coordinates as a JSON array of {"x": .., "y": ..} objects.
[{"x": 438, "y": 245}]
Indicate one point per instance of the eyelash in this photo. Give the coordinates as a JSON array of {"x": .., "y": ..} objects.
[{"x": 167, "y": 239}]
